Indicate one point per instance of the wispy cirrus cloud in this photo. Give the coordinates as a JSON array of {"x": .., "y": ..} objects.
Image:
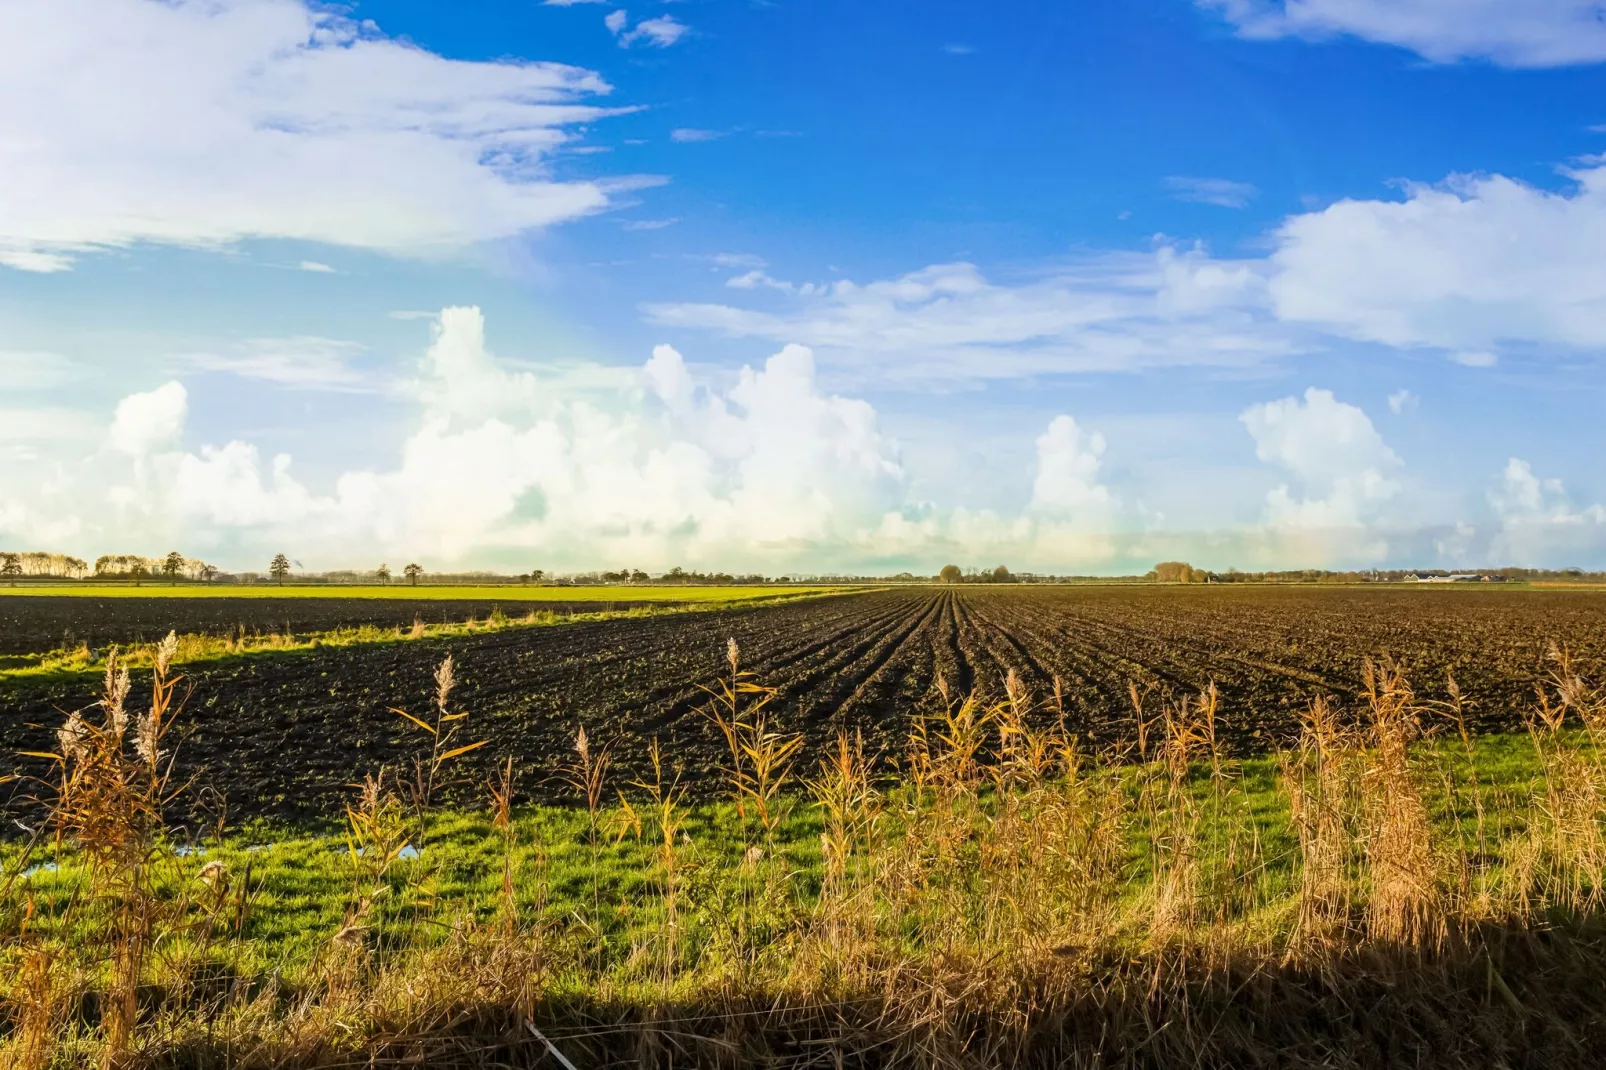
[
  {"x": 1472, "y": 267},
  {"x": 304, "y": 362},
  {"x": 1117, "y": 311},
  {"x": 660, "y": 32},
  {"x": 1222, "y": 192},
  {"x": 1528, "y": 33}
]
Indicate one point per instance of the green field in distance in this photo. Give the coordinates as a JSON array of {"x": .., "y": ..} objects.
[{"x": 490, "y": 593}]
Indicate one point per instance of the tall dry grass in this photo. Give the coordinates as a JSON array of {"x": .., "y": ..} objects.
[{"x": 998, "y": 894}]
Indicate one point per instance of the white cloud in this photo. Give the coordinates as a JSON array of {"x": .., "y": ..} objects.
[
  {"x": 690, "y": 134},
  {"x": 315, "y": 267},
  {"x": 305, "y": 362},
  {"x": 148, "y": 422},
  {"x": 1538, "y": 520},
  {"x": 1466, "y": 267},
  {"x": 1471, "y": 267},
  {"x": 1403, "y": 402},
  {"x": 959, "y": 50},
  {"x": 1343, "y": 472},
  {"x": 660, "y": 32},
  {"x": 1513, "y": 33},
  {"x": 1110, "y": 312},
  {"x": 1067, "y": 485},
  {"x": 648, "y": 224},
  {"x": 205, "y": 122},
  {"x": 1221, "y": 192},
  {"x": 572, "y": 465}
]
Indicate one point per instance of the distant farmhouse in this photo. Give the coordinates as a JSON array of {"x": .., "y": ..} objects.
[{"x": 1454, "y": 577}]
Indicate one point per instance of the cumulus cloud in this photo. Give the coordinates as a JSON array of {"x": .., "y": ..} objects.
[
  {"x": 1112, "y": 312},
  {"x": 204, "y": 122},
  {"x": 1343, "y": 473},
  {"x": 1467, "y": 266},
  {"x": 1538, "y": 519},
  {"x": 1067, "y": 485},
  {"x": 575, "y": 465},
  {"x": 1529, "y": 33},
  {"x": 145, "y": 423}
]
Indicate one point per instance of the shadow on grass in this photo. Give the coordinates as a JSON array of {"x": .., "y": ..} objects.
[{"x": 1508, "y": 997}]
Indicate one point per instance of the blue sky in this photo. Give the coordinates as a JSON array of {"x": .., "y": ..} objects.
[{"x": 803, "y": 287}]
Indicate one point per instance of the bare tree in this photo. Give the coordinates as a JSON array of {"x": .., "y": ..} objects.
[
  {"x": 279, "y": 568},
  {"x": 172, "y": 565},
  {"x": 412, "y": 572},
  {"x": 382, "y": 573}
]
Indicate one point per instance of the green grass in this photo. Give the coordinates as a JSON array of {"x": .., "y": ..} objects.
[
  {"x": 193, "y": 648},
  {"x": 302, "y": 880},
  {"x": 404, "y": 592}
]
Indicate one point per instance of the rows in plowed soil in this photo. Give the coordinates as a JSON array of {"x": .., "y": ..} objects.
[
  {"x": 288, "y": 734},
  {"x": 40, "y": 623}
]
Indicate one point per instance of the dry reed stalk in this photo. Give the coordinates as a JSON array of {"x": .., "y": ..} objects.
[
  {"x": 114, "y": 784},
  {"x": 1405, "y": 904},
  {"x": 667, "y": 817},
  {"x": 1573, "y": 806},
  {"x": 1174, "y": 819},
  {"x": 850, "y": 808},
  {"x": 444, "y": 728},
  {"x": 1320, "y": 785},
  {"x": 36, "y": 1013}
]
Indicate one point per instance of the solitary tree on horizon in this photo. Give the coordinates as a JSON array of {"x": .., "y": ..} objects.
[
  {"x": 279, "y": 568},
  {"x": 383, "y": 574},
  {"x": 412, "y": 572},
  {"x": 172, "y": 565},
  {"x": 950, "y": 574},
  {"x": 10, "y": 567}
]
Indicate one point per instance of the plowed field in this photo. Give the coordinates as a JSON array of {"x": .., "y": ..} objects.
[{"x": 290, "y": 733}]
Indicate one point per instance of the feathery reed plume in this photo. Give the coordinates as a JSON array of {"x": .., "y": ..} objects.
[
  {"x": 444, "y": 728},
  {"x": 588, "y": 774}
]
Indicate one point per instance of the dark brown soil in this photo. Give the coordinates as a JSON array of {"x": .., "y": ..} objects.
[
  {"x": 36, "y": 624},
  {"x": 288, "y": 734}
]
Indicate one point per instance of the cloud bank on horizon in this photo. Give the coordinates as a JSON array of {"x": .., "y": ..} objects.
[{"x": 1291, "y": 403}]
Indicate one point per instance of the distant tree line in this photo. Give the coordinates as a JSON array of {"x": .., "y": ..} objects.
[
  {"x": 955, "y": 574},
  {"x": 34, "y": 563},
  {"x": 174, "y": 567},
  {"x": 1178, "y": 572}
]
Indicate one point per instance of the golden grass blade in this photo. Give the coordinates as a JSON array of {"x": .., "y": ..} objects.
[{"x": 428, "y": 728}]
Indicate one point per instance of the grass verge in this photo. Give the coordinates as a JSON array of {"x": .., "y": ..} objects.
[{"x": 1393, "y": 890}]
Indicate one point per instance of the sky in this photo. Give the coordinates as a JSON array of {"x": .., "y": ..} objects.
[{"x": 805, "y": 287}]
